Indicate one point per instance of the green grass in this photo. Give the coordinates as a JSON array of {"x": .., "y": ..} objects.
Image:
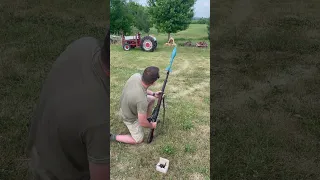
[
  {"x": 184, "y": 138},
  {"x": 32, "y": 36},
  {"x": 266, "y": 90}
]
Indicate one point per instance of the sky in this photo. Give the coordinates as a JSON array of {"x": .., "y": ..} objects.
[{"x": 201, "y": 7}]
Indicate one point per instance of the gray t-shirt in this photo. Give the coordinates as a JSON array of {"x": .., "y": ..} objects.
[
  {"x": 133, "y": 99},
  {"x": 71, "y": 123}
]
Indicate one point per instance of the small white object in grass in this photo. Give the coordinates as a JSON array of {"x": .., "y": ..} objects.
[{"x": 162, "y": 162}]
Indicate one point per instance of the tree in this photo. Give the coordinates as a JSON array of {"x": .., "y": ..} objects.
[
  {"x": 171, "y": 16},
  {"x": 141, "y": 19},
  {"x": 145, "y": 20},
  {"x": 120, "y": 18}
]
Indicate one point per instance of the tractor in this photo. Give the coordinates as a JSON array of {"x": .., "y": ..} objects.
[{"x": 147, "y": 43}]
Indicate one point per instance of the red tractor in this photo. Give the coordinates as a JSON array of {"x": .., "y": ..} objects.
[{"x": 147, "y": 43}]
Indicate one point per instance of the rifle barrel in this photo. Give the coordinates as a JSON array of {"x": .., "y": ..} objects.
[{"x": 156, "y": 109}]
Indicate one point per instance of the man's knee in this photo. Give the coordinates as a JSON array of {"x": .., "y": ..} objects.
[{"x": 138, "y": 140}]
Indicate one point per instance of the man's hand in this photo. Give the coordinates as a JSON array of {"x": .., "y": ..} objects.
[
  {"x": 154, "y": 125},
  {"x": 158, "y": 94},
  {"x": 143, "y": 121}
]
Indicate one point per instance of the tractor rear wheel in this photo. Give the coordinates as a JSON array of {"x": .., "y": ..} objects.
[
  {"x": 126, "y": 47},
  {"x": 148, "y": 44},
  {"x": 155, "y": 44}
]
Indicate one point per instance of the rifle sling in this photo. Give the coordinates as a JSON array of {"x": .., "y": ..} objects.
[{"x": 164, "y": 110}]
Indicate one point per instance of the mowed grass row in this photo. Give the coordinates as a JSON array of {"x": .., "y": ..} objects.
[
  {"x": 32, "y": 35},
  {"x": 185, "y": 136}
]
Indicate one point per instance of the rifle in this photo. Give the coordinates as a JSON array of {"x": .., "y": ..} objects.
[{"x": 156, "y": 110}]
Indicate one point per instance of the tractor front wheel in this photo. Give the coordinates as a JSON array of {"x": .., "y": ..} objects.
[
  {"x": 148, "y": 44},
  {"x": 126, "y": 47}
]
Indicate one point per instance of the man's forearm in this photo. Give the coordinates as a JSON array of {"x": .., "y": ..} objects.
[
  {"x": 149, "y": 92},
  {"x": 145, "y": 123}
]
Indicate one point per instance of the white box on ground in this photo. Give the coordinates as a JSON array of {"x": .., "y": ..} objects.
[{"x": 162, "y": 162}]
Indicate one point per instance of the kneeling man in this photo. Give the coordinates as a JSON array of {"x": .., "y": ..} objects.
[{"x": 136, "y": 105}]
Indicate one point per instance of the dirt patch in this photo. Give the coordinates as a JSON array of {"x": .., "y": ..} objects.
[
  {"x": 122, "y": 166},
  {"x": 196, "y": 176},
  {"x": 204, "y": 129}
]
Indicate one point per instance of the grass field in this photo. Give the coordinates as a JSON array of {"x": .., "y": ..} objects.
[
  {"x": 32, "y": 35},
  {"x": 184, "y": 139},
  {"x": 266, "y": 84}
]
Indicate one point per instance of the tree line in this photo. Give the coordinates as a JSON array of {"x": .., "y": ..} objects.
[
  {"x": 200, "y": 21},
  {"x": 167, "y": 16}
]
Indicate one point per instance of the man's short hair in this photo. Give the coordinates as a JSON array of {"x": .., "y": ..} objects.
[{"x": 150, "y": 75}]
